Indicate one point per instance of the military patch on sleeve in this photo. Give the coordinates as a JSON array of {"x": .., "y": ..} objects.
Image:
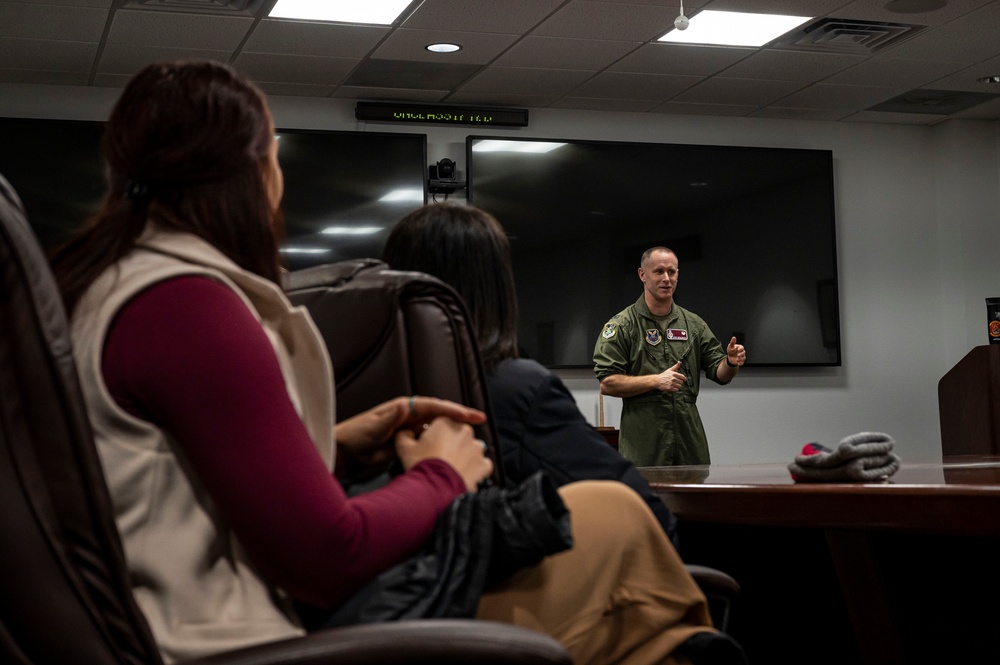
[
  {"x": 609, "y": 330},
  {"x": 653, "y": 336}
]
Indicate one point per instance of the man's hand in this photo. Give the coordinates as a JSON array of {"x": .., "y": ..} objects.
[
  {"x": 736, "y": 353},
  {"x": 671, "y": 380}
]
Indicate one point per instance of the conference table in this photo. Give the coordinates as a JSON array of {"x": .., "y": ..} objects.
[{"x": 908, "y": 568}]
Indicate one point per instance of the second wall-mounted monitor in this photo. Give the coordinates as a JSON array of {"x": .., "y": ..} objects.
[
  {"x": 343, "y": 190},
  {"x": 753, "y": 228}
]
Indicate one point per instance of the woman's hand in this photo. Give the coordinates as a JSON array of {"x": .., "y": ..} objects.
[
  {"x": 367, "y": 437},
  {"x": 448, "y": 440}
]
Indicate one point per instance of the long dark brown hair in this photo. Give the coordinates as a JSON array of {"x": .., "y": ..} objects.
[
  {"x": 186, "y": 146},
  {"x": 467, "y": 248}
]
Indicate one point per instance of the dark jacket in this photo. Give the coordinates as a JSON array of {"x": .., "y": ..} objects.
[
  {"x": 481, "y": 539},
  {"x": 540, "y": 428}
]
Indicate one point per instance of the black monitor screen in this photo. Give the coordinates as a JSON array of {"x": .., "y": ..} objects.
[
  {"x": 343, "y": 190},
  {"x": 55, "y": 166},
  {"x": 753, "y": 230}
]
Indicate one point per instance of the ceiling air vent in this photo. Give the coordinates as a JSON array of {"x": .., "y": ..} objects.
[{"x": 837, "y": 35}]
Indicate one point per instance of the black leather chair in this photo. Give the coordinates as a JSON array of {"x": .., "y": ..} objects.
[
  {"x": 64, "y": 589},
  {"x": 409, "y": 333}
]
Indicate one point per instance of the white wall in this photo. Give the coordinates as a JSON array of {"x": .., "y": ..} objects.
[{"x": 918, "y": 241}]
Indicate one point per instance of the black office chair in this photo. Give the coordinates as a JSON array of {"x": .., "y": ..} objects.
[
  {"x": 409, "y": 333},
  {"x": 64, "y": 590}
]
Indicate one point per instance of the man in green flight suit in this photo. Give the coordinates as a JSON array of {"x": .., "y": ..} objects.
[{"x": 651, "y": 354}]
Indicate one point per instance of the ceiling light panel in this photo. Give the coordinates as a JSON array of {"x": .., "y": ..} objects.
[
  {"x": 734, "y": 28},
  {"x": 377, "y": 12}
]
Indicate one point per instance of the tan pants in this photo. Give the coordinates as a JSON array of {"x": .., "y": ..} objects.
[{"x": 620, "y": 595}]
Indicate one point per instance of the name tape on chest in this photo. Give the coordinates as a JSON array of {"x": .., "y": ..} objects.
[{"x": 654, "y": 337}]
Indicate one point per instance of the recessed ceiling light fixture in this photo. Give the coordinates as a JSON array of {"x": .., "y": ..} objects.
[
  {"x": 443, "y": 48},
  {"x": 378, "y": 12},
  {"x": 989, "y": 79},
  {"x": 733, "y": 28}
]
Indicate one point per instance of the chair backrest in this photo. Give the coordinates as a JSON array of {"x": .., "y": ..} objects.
[
  {"x": 392, "y": 333},
  {"x": 64, "y": 592}
]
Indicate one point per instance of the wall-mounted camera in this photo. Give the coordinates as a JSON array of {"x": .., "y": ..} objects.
[{"x": 443, "y": 177}]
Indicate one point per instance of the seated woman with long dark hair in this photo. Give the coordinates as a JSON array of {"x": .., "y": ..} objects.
[{"x": 211, "y": 401}]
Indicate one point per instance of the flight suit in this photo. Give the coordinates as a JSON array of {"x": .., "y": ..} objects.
[{"x": 660, "y": 428}]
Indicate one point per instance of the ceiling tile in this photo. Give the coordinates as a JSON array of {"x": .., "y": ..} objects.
[
  {"x": 959, "y": 45},
  {"x": 608, "y": 20},
  {"x": 596, "y": 104},
  {"x": 47, "y": 55},
  {"x": 294, "y": 89},
  {"x": 323, "y": 39},
  {"x": 517, "y": 80},
  {"x": 896, "y": 118},
  {"x": 514, "y": 16},
  {"x": 511, "y": 99},
  {"x": 718, "y": 90},
  {"x": 824, "y": 96},
  {"x": 776, "y": 65},
  {"x": 680, "y": 59},
  {"x": 890, "y": 72},
  {"x": 175, "y": 30},
  {"x": 986, "y": 111},
  {"x": 825, "y": 115},
  {"x": 656, "y": 87},
  {"x": 105, "y": 4},
  {"x": 406, "y": 74},
  {"x": 790, "y": 7},
  {"x": 875, "y": 10},
  {"x": 968, "y": 79},
  {"x": 300, "y": 69},
  {"x": 128, "y": 59},
  {"x": 935, "y": 102},
  {"x": 40, "y": 76},
  {"x": 79, "y": 24},
  {"x": 682, "y": 108},
  {"x": 563, "y": 53},
  {"x": 399, "y": 94}
]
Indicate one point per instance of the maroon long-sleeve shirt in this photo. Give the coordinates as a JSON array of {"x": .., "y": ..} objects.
[{"x": 188, "y": 356}]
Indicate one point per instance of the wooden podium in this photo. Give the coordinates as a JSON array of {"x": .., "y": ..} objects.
[{"x": 969, "y": 404}]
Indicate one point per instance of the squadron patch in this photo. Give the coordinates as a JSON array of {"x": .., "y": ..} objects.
[
  {"x": 609, "y": 330},
  {"x": 653, "y": 336}
]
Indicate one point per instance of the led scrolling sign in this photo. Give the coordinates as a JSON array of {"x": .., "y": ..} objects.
[{"x": 441, "y": 114}]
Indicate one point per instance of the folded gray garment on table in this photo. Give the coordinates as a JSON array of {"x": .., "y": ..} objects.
[{"x": 861, "y": 457}]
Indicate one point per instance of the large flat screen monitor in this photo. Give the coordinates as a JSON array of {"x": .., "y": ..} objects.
[
  {"x": 753, "y": 228},
  {"x": 343, "y": 190}
]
